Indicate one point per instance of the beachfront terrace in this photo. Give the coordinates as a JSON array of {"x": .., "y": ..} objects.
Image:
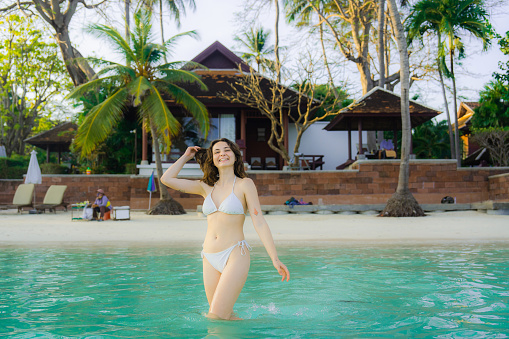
[{"x": 368, "y": 182}]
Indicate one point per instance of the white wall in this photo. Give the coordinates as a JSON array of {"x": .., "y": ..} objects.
[{"x": 332, "y": 144}]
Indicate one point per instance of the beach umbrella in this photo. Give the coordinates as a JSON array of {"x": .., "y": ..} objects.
[
  {"x": 33, "y": 175},
  {"x": 151, "y": 188}
]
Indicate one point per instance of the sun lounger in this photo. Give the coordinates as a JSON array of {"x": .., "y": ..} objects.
[
  {"x": 256, "y": 163},
  {"x": 22, "y": 198},
  {"x": 270, "y": 164},
  {"x": 54, "y": 198}
]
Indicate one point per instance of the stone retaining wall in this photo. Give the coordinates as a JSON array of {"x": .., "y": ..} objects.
[
  {"x": 369, "y": 182},
  {"x": 499, "y": 187}
]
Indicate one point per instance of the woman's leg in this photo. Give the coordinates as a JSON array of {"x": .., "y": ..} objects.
[
  {"x": 230, "y": 284},
  {"x": 210, "y": 279},
  {"x": 96, "y": 210}
]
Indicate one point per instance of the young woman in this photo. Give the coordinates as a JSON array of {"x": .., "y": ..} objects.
[{"x": 228, "y": 193}]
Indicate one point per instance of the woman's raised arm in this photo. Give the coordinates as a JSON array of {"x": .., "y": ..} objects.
[{"x": 169, "y": 178}]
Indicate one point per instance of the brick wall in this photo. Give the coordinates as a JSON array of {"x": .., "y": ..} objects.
[
  {"x": 370, "y": 182},
  {"x": 499, "y": 187}
]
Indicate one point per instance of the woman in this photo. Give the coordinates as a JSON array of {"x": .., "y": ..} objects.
[{"x": 228, "y": 193}]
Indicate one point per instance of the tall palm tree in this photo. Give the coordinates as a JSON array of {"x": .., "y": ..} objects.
[
  {"x": 419, "y": 23},
  {"x": 142, "y": 84},
  {"x": 176, "y": 9},
  {"x": 256, "y": 42},
  {"x": 402, "y": 203},
  {"x": 453, "y": 17}
]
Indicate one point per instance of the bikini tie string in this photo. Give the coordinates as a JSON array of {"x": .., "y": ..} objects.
[{"x": 243, "y": 245}]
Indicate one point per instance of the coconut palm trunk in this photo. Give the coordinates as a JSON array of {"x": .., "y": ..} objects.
[
  {"x": 449, "y": 125},
  {"x": 402, "y": 203},
  {"x": 166, "y": 204},
  {"x": 456, "y": 131},
  {"x": 381, "y": 42}
]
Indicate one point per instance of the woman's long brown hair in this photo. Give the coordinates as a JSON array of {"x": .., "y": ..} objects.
[{"x": 204, "y": 157}]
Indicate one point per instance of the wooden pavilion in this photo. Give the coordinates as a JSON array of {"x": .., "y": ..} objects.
[
  {"x": 377, "y": 110},
  {"x": 58, "y": 139}
]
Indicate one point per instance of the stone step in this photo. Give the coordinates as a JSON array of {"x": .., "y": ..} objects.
[{"x": 373, "y": 208}]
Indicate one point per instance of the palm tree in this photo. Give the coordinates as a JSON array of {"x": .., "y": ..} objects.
[
  {"x": 142, "y": 84},
  {"x": 176, "y": 8},
  {"x": 402, "y": 203},
  {"x": 258, "y": 48},
  {"x": 420, "y": 22},
  {"x": 450, "y": 18}
]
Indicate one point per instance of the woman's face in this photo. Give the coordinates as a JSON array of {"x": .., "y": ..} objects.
[{"x": 222, "y": 155}]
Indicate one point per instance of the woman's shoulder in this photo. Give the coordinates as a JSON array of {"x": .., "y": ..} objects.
[{"x": 245, "y": 182}]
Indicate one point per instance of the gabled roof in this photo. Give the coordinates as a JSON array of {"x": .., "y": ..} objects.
[
  {"x": 217, "y": 56},
  {"x": 59, "y": 138},
  {"x": 379, "y": 110},
  {"x": 465, "y": 114}
]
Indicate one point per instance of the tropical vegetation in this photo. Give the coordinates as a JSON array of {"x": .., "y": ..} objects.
[
  {"x": 143, "y": 84},
  {"x": 450, "y": 18},
  {"x": 32, "y": 76},
  {"x": 257, "y": 48}
]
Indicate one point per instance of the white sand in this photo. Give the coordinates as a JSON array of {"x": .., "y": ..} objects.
[{"x": 303, "y": 229}]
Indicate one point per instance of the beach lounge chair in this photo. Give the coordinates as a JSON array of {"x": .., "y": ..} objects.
[
  {"x": 256, "y": 163},
  {"x": 270, "y": 164},
  {"x": 54, "y": 198},
  {"x": 22, "y": 198}
]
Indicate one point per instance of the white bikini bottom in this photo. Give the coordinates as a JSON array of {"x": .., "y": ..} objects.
[{"x": 218, "y": 260}]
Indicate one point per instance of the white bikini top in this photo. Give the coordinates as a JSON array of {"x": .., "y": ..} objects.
[{"x": 230, "y": 205}]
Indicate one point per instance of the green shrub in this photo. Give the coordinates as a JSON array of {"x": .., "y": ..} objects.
[
  {"x": 12, "y": 169},
  {"x": 130, "y": 168},
  {"x": 50, "y": 168}
]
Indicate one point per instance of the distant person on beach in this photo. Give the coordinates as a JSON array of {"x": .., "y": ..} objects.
[
  {"x": 228, "y": 193},
  {"x": 386, "y": 146},
  {"x": 101, "y": 205}
]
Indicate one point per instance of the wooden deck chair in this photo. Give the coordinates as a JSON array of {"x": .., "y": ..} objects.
[
  {"x": 270, "y": 163},
  {"x": 256, "y": 163},
  {"x": 54, "y": 198},
  {"x": 22, "y": 198}
]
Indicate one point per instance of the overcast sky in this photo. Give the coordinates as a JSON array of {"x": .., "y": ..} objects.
[{"x": 216, "y": 20}]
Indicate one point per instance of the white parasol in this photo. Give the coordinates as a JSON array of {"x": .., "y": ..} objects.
[{"x": 34, "y": 175}]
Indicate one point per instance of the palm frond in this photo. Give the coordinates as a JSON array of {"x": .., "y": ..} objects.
[
  {"x": 92, "y": 85},
  {"x": 118, "y": 42},
  {"x": 186, "y": 65},
  {"x": 181, "y": 76},
  {"x": 195, "y": 107},
  {"x": 138, "y": 88},
  {"x": 155, "y": 109},
  {"x": 171, "y": 44},
  {"x": 99, "y": 122}
]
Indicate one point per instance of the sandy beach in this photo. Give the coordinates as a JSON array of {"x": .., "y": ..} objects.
[{"x": 303, "y": 229}]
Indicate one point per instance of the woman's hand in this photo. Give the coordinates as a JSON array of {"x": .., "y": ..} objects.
[
  {"x": 282, "y": 270},
  {"x": 191, "y": 151}
]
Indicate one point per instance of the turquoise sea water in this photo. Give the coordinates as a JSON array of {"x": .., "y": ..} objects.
[{"x": 445, "y": 291}]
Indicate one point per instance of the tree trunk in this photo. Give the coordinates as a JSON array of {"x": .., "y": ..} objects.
[
  {"x": 381, "y": 42},
  {"x": 456, "y": 131},
  {"x": 79, "y": 70},
  {"x": 276, "y": 44},
  {"x": 402, "y": 203},
  {"x": 162, "y": 26},
  {"x": 167, "y": 205},
  {"x": 451, "y": 136}
]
